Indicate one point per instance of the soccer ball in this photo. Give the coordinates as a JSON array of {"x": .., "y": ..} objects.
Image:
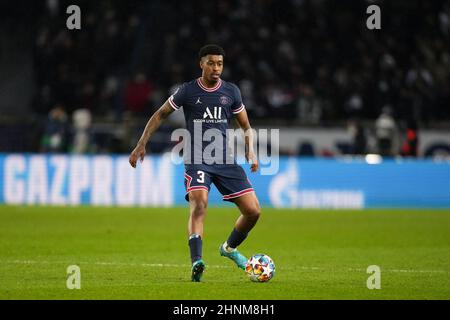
[{"x": 260, "y": 268}]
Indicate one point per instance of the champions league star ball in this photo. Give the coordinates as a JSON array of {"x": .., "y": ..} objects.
[{"x": 260, "y": 268}]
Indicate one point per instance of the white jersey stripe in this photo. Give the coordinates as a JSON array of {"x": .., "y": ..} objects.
[
  {"x": 217, "y": 86},
  {"x": 242, "y": 107},
  {"x": 173, "y": 104}
]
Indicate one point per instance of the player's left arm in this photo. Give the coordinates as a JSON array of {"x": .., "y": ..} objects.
[{"x": 244, "y": 124}]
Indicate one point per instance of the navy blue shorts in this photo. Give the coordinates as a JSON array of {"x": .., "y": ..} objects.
[{"x": 230, "y": 179}]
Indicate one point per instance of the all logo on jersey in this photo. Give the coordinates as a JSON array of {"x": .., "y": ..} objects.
[
  {"x": 212, "y": 115},
  {"x": 216, "y": 114},
  {"x": 198, "y": 101}
]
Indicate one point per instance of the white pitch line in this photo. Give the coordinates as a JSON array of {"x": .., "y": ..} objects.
[
  {"x": 169, "y": 265},
  {"x": 402, "y": 270},
  {"x": 152, "y": 265}
]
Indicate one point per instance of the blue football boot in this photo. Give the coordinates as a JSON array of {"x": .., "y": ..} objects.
[
  {"x": 234, "y": 255},
  {"x": 197, "y": 270}
]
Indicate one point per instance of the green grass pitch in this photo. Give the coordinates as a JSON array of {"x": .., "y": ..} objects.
[{"x": 142, "y": 253}]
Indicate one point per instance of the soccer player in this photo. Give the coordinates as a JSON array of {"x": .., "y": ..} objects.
[{"x": 211, "y": 103}]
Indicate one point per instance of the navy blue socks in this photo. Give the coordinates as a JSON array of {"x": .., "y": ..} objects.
[
  {"x": 195, "y": 246},
  {"x": 236, "y": 238}
]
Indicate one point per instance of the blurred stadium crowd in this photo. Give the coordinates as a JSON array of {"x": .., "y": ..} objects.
[{"x": 297, "y": 62}]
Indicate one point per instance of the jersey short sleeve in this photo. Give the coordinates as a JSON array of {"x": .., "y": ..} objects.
[
  {"x": 177, "y": 99},
  {"x": 238, "y": 105}
]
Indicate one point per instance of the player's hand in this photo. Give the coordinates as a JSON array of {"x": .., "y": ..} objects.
[
  {"x": 138, "y": 153},
  {"x": 253, "y": 160}
]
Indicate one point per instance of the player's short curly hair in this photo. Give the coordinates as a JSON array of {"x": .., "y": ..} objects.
[{"x": 211, "y": 49}]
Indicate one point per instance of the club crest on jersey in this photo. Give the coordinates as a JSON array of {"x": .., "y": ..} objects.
[
  {"x": 224, "y": 100},
  {"x": 216, "y": 114}
]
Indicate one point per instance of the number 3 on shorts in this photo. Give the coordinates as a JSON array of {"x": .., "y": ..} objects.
[{"x": 201, "y": 177}]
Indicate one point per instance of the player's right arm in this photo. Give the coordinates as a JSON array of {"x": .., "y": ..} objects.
[{"x": 152, "y": 125}]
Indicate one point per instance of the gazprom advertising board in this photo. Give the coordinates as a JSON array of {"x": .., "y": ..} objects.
[{"x": 106, "y": 180}]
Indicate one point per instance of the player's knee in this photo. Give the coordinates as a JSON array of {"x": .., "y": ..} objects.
[
  {"x": 256, "y": 212},
  {"x": 198, "y": 206},
  {"x": 253, "y": 211}
]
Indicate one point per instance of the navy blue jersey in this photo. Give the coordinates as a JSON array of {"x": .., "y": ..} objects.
[{"x": 207, "y": 108}]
